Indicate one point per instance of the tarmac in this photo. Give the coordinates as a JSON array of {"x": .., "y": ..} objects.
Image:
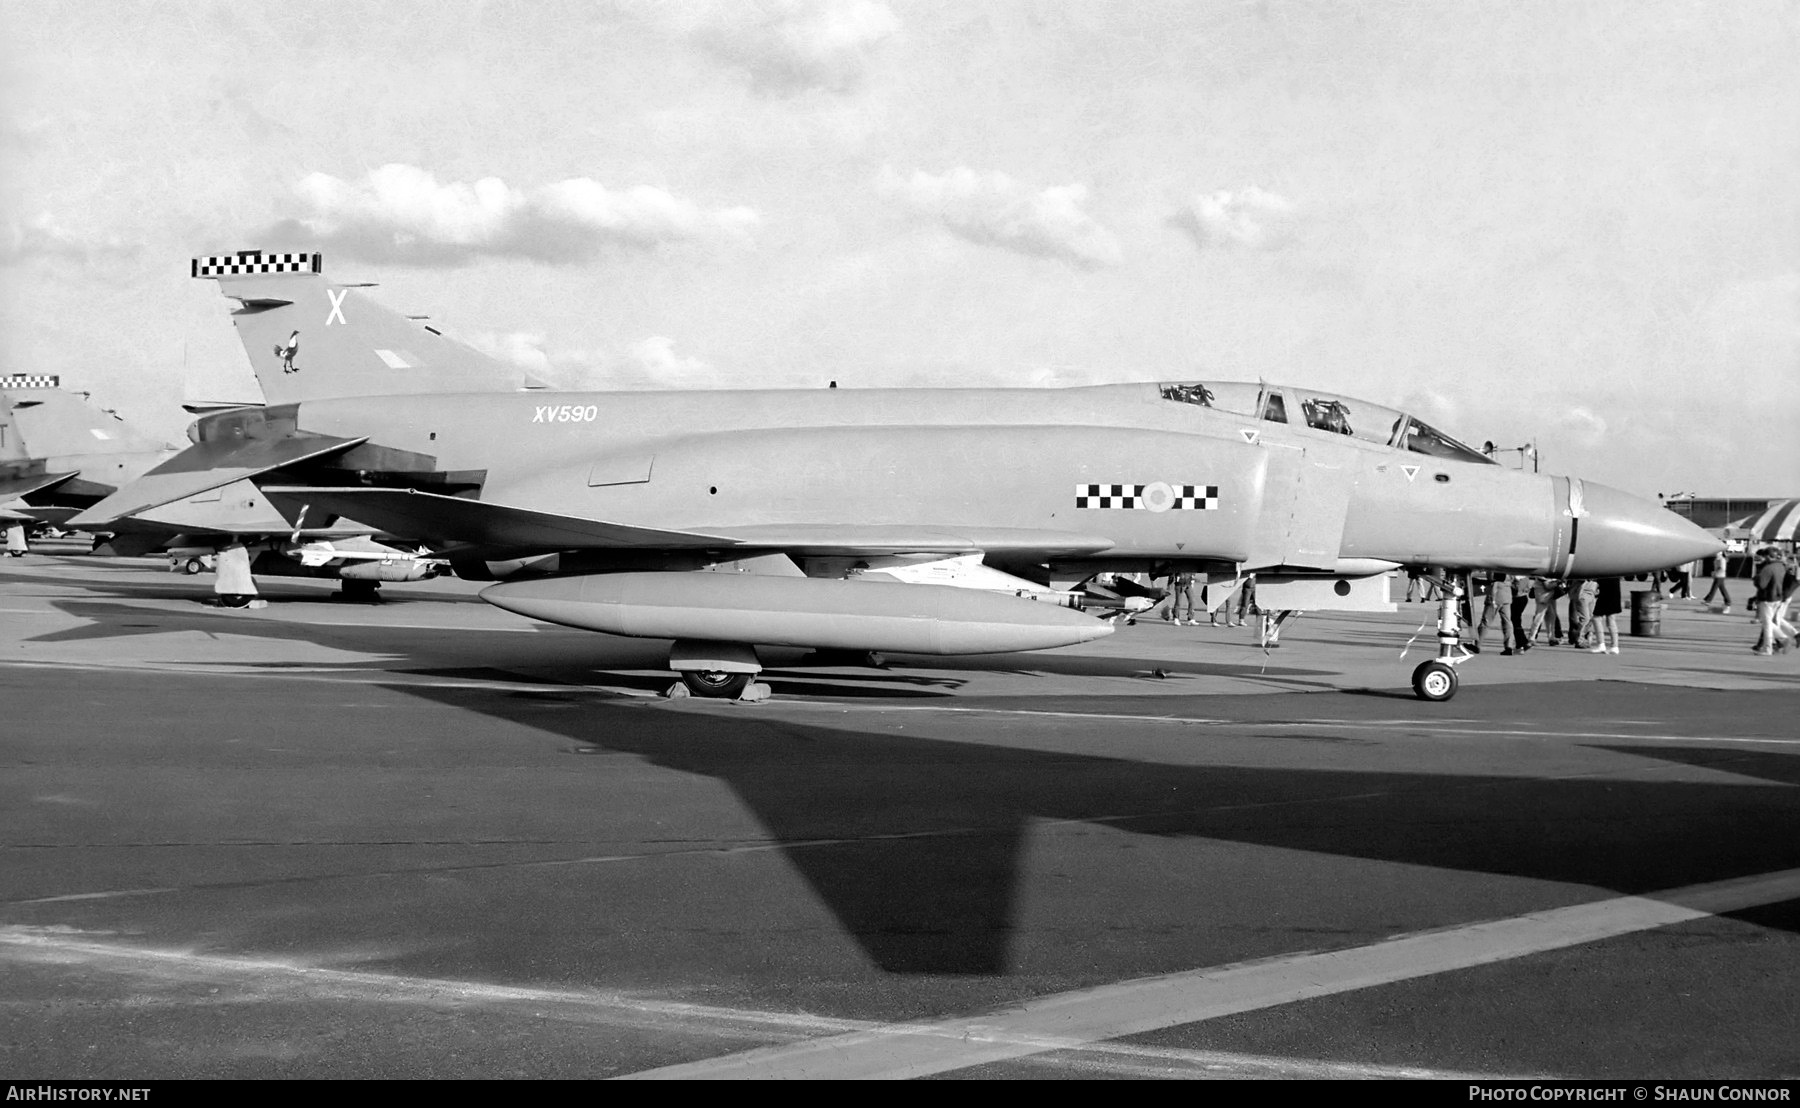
[{"x": 429, "y": 838}]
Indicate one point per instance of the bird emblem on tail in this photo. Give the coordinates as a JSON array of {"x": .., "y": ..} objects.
[{"x": 286, "y": 351}]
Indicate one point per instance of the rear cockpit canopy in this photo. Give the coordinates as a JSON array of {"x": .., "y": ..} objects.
[{"x": 1322, "y": 411}]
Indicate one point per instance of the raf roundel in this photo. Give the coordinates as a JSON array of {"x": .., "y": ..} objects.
[{"x": 1157, "y": 496}]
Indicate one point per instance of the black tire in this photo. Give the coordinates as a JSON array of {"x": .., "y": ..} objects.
[
  {"x": 714, "y": 684},
  {"x": 192, "y": 566},
  {"x": 359, "y": 591},
  {"x": 1434, "y": 681}
]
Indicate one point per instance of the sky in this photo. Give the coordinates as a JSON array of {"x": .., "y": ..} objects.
[{"x": 1573, "y": 223}]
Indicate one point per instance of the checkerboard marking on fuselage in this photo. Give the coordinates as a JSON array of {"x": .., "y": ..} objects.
[
  {"x": 31, "y": 381},
  {"x": 1200, "y": 498}
]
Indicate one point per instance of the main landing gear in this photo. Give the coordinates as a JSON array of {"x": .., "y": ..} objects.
[
  {"x": 716, "y": 671},
  {"x": 1436, "y": 680},
  {"x": 715, "y": 684}
]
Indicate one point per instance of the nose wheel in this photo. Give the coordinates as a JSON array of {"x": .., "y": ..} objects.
[{"x": 1434, "y": 681}]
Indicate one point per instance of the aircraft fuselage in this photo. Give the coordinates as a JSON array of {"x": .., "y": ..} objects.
[{"x": 1160, "y": 480}]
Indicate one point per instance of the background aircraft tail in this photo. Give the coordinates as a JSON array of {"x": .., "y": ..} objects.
[
  {"x": 311, "y": 339},
  {"x": 43, "y": 420}
]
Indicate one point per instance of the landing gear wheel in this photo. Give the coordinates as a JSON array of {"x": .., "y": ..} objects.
[
  {"x": 1434, "y": 681},
  {"x": 192, "y": 566},
  {"x": 359, "y": 591},
  {"x": 714, "y": 684}
]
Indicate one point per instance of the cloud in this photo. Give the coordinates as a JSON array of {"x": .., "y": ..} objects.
[
  {"x": 649, "y": 364},
  {"x": 401, "y": 214},
  {"x": 1249, "y": 218},
  {"x": 994, "y": 210},
  {"x": 45, "y": 237},
  {"x": 794, "y": 46},
  {"x": 1582, "y": 426}
]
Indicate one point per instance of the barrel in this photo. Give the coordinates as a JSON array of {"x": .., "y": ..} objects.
[{"x": 1646, "y": 614}]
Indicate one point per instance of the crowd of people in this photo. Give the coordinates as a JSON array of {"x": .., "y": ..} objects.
[
  {"x": 1189, "y": 594},
  {"x": 1526, "y": 611}
]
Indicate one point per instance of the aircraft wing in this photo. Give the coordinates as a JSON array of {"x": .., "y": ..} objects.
[
  {"x": 851, "y": 539},
  {"x": 55, "y": 515},
  {"x": 210, "y": 466},
  {"x": 439, "y": 519},
  {"x": 26, "y": 484}
]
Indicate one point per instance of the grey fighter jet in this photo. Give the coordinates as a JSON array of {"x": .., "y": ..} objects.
[
  {"x": 927, "y": 521},
  {"x": 59, "y": 453}
]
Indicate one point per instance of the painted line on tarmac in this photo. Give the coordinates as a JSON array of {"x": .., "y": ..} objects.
[
  {"x": 1076, "y": 1020},
  {"x": 270, "y": 980},
  {"x": 1361, "y": 724},
  {"x": 273, "y": 979}
]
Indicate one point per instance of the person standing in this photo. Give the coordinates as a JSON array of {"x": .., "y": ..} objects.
[
  {"x": 1771, "y": 588},
  {"x": 1181, "y": 599},
  {"x": 1246, "y": 604},
  {"x": 1498, "y": 604},
  {"x": 1521, "y": 600},
  {"x": 1782, "y": 626},
  {"x": 1581, "y": 610},
  {"x": 1609, "y": 601},
  {"x": 1543, "y": 595},
  {"x": 1718, "y": 584}
]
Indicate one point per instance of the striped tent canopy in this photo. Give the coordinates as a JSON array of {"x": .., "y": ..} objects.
[{"x": 1777, "y": 523}]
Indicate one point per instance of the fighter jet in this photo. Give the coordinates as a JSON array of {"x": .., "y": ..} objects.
[
  {"x": 60, "y": 452},
  {"x": 922, "y": 521}
]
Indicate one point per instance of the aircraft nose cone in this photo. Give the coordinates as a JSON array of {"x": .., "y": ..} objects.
[{"x": 1624, "y": 534}]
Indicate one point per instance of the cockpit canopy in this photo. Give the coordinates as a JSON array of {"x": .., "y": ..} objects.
[{"x": 1340, "y": 415}]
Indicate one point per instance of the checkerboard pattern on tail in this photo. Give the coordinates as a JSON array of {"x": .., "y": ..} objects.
[{"x": 254, "y": 261}]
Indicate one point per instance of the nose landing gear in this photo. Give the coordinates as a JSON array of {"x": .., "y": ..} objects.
[{"x": 1436, "y": 680}]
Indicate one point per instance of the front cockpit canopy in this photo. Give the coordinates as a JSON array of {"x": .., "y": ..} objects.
[{"x": 1339, "y": 415}]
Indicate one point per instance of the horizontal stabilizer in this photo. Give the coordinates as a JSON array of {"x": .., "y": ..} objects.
[
  {"x": 208, "y": 466},
  {"x": 208, "y": 407},
  {"x": 26, "y": 484},
  {"x": 434, "y": 518},
  {"x": 851, "y": 540}
]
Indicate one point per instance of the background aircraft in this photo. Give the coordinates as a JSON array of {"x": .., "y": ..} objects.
[
  {"x": 60, "y": 452},
  {"x": 935, "y": 521}
]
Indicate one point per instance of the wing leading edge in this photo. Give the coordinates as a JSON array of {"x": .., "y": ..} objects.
[{"x": 439, "y": 519}]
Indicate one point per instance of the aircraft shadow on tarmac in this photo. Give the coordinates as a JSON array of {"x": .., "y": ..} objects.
[
  {"x": 594, "y": 662},
  {"x": 916, "y": 844}
]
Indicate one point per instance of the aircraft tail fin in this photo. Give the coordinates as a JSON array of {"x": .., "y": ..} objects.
[
  {"x": 309, "y": 338},
  {"x": 45, "y": 420}
]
